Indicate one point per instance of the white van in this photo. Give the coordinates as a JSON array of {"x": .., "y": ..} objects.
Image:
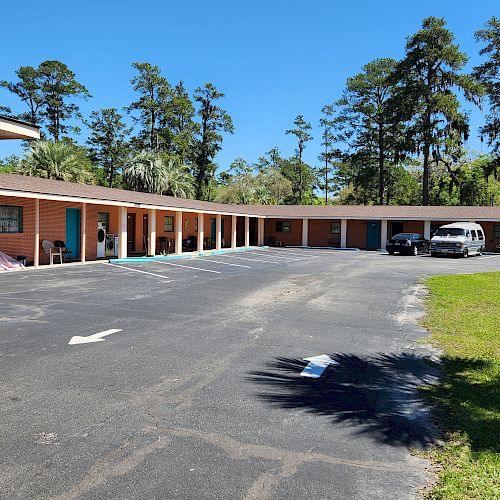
[{"x": 459, "y": 238}]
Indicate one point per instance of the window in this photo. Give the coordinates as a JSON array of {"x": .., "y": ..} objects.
[
  {"x": 169, "y": 223},
  {"x": 480, "y": 234},
  {"x": 104, "y": 217},
  {"x": 496, "y": 231},
  {"x": 474, "y": 234},
  {"x": 11, "y": 219},
  {"x": 283, "y": 226},
  {"x": 334, "y": 227}
]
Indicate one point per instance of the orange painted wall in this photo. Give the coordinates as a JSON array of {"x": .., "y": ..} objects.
[
  {"x": 52, "y": 227},
  {"x": 491, "y": 241},
  {"x": 356, "y": 234},
  {"x": 319, "y": 233},
  {"x": 294, "y": 237}
]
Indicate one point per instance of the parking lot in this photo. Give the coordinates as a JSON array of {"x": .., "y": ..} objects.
[{"x": 187, "y": 383}]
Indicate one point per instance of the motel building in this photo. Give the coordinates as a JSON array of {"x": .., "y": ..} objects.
[{"x": 94, "y": 222}]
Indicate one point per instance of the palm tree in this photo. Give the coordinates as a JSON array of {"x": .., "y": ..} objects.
[
  {"x": 179, "y": 180},
  {"x": 151, "y": 173},
  {"x": 56, "y": 160}
]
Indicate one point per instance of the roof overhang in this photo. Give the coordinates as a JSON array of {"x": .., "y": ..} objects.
[{"x": 14, "y": 129}]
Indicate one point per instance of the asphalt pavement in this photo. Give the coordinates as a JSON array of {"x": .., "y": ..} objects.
[{"x": 190, "y": 386}]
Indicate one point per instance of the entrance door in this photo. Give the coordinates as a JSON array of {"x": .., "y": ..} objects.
[
  {"x": 130, "y": 233},
  {"x": 373, "y": 236},
  {"x": 213, "y": 231},
  {"x": 73, "y": 232},
  {"x": 145, "y": 233}
]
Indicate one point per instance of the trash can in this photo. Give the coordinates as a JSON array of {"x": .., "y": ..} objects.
[{"x": 22, "y": 259}]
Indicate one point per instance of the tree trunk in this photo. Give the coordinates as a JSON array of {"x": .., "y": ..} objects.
[
  {"x": 381, "y": 164},
  {"x": 425, "y": 180}
]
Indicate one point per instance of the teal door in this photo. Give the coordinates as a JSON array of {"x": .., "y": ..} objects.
[
  {"x": 373, "y": 236},
  {"x": 73, "y": 232},
  {"x": 213, "y": 230}
]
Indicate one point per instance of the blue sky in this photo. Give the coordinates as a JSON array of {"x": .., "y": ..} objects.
[{"x": 273, "y": 59}]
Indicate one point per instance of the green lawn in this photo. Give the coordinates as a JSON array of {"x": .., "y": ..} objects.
[{"x": 463, "y": 315}]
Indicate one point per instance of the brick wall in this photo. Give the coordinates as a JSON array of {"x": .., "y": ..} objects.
[
  {"x": 319, "y": 233},
  {"x": 294, "y": 237}
]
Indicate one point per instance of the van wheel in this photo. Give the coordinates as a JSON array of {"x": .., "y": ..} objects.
[
  {"x": 466, "y": 253},
  {"x": 434, "y": 254},
  {"x": 391, "y": 252},
  {"x": 415, "y": 251},
  {"x": 479, "y": 252}
]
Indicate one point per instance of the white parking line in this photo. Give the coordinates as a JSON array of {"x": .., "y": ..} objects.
[
  {"x": 228, "y": 263},
  {"x": 271, "y": 253},
  {"x": 186, "y": 267},
  {"x": 255, "y": 260},
  {"x": 488, "y": 257},
  {"x": 139, "y": 271}
]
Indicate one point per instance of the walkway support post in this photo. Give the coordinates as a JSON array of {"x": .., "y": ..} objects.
[
  {"x": 247, "y": 231},
  {"x": 260, "y": 232},
  {"x": 201, "y": 231},
  {"x": 122, "y": 233},
  {"x": 218, "y": 232},
  {"x": 427, "y": 229},
  {"x": 36, "y": 253},
  {"x": 83, "y": 240},
  {"x": 343, "y": 233},
  {"x": 152, "y": 232},
  {"x": 305, "y": 232},
  {"x": 383, "y": 234},
  {"x": 234, "y": 222},
  {"x": 178, "y": 233}
]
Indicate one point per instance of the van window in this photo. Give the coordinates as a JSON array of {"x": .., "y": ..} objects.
[
  {"x": 474, "y": 234},
  {"x": 480, "y": 234},
  {"x": 450, "y": 231},
  {"x": 467, "y": 234}
]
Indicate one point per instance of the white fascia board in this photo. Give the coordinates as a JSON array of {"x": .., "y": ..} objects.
[
  {"x": 417, "y": 219},
  {"x": 197, "y": 211},
  {"x": 72, "y": 199}
]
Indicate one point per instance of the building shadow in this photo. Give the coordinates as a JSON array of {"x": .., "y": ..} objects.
[{"x": 376, "y": 395}]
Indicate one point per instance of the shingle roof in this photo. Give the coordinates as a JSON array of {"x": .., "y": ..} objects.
[{"x": 18, "y": 184}]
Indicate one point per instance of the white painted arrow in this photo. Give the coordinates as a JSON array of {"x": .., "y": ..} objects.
[
  {"x": 96, "y": 337},
  {"x": 317, "y": 365}
]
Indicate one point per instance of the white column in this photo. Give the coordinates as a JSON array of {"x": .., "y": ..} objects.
[
  {"x": 234, "y": 223},
  {"x": 260, "y": 232},
  {"x": 83, "y": 240},
  {"x": 218, "y": 232},
  {"x": 305, "y": 232},
  {"x": 122, "y": 233},
  {"x": 178, "y": 233},
  {"x": 343, "y": 233},
  {"x": 247, "y": 231},
  {"x": 201, "y": 231},
  {"x": 36, "y": 253},
  {"x": 152, "y": 232},
  {"x": 383, "y": 234},
  {"x": 427, "y": 229}
]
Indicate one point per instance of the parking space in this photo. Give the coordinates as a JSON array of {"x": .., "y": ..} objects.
[{"x": 187, "y": 383}]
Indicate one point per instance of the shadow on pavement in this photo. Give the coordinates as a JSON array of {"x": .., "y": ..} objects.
[{"x": 377, "y": 395}]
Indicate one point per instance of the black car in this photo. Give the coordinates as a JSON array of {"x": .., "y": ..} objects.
[{"x": 408, "y": 243}]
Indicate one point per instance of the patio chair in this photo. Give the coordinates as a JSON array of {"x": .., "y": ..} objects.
[
  {"x": 61, "y": 244},
  {"x": 52, "y": 251}
]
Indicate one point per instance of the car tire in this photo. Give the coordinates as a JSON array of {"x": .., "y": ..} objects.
[
  {"x": 415, "y": 251},
  {"x": 466, "y": 253},
  {"x": 391, "y": 252},
  {"x": 434, "y": 254}
]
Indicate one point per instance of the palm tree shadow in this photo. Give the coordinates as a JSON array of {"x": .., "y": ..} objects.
[{"x": 376, "y": 395}]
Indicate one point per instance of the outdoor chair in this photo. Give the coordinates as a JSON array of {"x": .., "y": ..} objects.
[
  {"x": 61, "y": 244},
  {"x": 52, "y": 251}
]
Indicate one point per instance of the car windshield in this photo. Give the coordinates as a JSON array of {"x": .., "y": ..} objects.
[
  {"x": 403, "y": 236},
  {"x": 450, "y": 231}
]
